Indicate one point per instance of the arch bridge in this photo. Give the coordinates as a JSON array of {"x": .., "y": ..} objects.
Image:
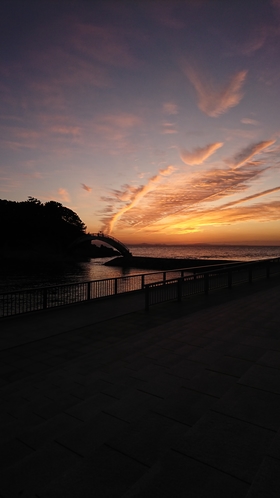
[{"x": 105, "y": 238}]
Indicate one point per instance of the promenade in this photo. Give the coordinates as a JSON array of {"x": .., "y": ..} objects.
[{"x": 102, "y": 399}]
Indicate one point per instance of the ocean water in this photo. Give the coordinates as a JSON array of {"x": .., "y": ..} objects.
[
  {"x": 205, "y": 251},
  {"x": 94, "y": 269}
]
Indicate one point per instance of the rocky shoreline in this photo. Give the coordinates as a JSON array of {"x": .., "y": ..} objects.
[{"x": 149, "y": 263}]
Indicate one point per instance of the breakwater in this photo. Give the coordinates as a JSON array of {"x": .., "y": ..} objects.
[{"x": 150, "y": 263}]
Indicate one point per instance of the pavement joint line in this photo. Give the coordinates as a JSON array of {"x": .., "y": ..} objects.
[
  {"x": 73, "y": 416},
  {"x": 224, "y": 373},
  {"x": 200, "y": 392},
  {"x": 68, "y": 449},
  {"x": 258, "y": 388},
  {"x": 211, "y": 466},
  {"x": 110, "y": 395},
  {"x": 125, "y": 454},
  {"x": 243, "y": 420},
  {"x": 151, "y": 394},
  {"x": 171, "y": 418},
  {"x": 115, "y": 416}
]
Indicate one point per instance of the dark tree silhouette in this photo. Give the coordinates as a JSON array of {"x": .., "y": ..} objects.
[{"x": 31, "y": 224}]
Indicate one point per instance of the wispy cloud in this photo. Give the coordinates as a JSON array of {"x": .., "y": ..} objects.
[
  {"x": 63, "y": 195},
  {"x": 199, "y": 154},
  {"x": 138, "y": 194},
  {"x": 250, "y": 121},
  {"x": 170, "y": 108},
  {"x": 252, "y": 197},
  {"x": 250, "y": 151},
  {"x": 188, "y": 200},
  {"x": 86, "y": 187},
  {"x": 215, "y": 101},
  {"x": 169, "y": 128}
]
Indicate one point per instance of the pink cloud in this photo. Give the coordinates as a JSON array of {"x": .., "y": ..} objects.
[
  {"x": 64, "y": 195},
  {"x": 214, "y": 101}
]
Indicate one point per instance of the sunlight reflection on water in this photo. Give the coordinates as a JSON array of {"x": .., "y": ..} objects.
[{"x": 94, "y": 269}]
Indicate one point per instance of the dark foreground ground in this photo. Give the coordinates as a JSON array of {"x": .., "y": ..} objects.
[{"x": 105, "y": 400}]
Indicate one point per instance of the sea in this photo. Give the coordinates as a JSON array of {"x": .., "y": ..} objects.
[{"x": 94, "y": 269}]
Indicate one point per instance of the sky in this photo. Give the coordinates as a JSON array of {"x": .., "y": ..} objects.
[{"x": 155, "y": 121}]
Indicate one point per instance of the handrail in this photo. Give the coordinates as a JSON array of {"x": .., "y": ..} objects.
[
  {"x": 27, "y": 300},
  {"x": 205, "y": 281}
]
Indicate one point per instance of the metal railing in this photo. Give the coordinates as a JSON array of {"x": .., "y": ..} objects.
[
  {"x": 205, "y": 281},
  {"x": 157, "y": 285},
  {"x": 36, "y": 299}
]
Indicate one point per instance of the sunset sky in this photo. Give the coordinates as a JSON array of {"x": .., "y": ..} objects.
[{"x": 155, "y": 121}]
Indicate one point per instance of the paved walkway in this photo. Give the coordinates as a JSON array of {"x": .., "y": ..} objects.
[{"x": 183, "y": 401}]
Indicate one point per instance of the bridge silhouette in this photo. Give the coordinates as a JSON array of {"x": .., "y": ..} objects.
[{"x": 117, "y": 244}]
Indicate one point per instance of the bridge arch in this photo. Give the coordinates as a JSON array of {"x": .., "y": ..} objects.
[{"x": 117, "y": 244}]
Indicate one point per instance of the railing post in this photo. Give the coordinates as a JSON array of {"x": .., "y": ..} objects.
[
  {"x": 164, "y": 276},
  {"x": 116, "y": 285},
  {"x": 88, "y": 291},
  {"x": 180, "y": 288},
  {"x": 142, "y": 281},
  {"x": 206, "y": 283},
  {"x": 147, "y": 304},
  {"x": 229, "y": 279},
  {"x": 45, "y": 302}
]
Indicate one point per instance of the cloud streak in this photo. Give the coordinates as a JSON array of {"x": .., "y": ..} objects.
[
  {"x": 216, "y": 101},
  {"x": 246, "y": 154},
  {"x": 189, "y": 198},
  {"x": 200, "y": 154},
  {"x": 139, "y": 194},
  {"x": 86, "y": 187}
]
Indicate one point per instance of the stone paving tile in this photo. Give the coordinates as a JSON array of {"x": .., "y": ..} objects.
[
  {"x": 148, "y": 439},
  {"x": 181, "y": 476},
  {"x": 134, "y": 406},
  {"x": 39, "y": 435},
  {"x": 211, "y": 383},
  {"x": 270, "y": 359},
  {"x": 251, "y": 405},
  {"x": 205, "y": 356},
  {"x": 267, "y": 481},
  {"x": 185, "y": 406},
  {"x": 186, "y": 369},
  {"x": 34, "y": 472},
  {"x": 87, "y": 436},
  {"x": 90, "y": 407},
  {"x": 12, "y": 451},
  {"x": 227, "y": 444},
  {"x": 107, "y": 473},
  {"x": 261, "y": 377},
  {"x": 245, "y": 352},
  {"x": 231, "y": 366}
]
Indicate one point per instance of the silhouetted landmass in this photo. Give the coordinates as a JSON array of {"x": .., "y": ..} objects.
[{"x": 33, "y": 230}]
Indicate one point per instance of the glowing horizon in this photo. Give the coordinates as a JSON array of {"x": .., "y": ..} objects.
[{"x": 153, "y": 122}]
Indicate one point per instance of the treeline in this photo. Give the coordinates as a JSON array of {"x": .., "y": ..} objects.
[{"x": 31, "y": 225}]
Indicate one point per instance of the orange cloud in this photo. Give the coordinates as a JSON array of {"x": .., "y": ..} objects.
[
  {"x": 213, "y": 101},
  {"x": 139, "y": 194},
  {"x": 200, "y": 154},
  {"x": 188, "y": 195}
]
